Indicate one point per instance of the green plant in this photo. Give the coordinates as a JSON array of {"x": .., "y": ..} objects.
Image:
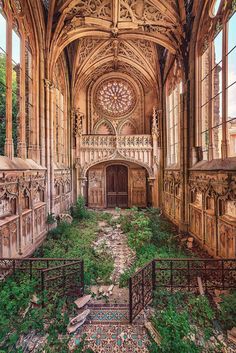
[
  {"x": 201, "y": 311},
  {"x": 79, "y": 211},
  {"x": 139, "y": 231},
  {"x": 51, "y": 219},
  {"x": 227, "y": 313},
  {"x": 175, "y": 330}
]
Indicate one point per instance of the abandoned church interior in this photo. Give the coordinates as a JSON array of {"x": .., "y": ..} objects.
[
  {"x": 118, "y": 176},
  {"x": 128, "y": 103}
]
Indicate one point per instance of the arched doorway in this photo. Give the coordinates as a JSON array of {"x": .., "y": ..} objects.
[{"x": 117, "y": 186}]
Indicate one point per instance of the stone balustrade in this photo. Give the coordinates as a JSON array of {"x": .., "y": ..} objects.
[{"x": 99, "y": 148}]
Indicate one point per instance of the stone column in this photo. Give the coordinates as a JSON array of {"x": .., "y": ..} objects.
[
  {"x": 42, "y": 120},
  {"x": 9, "y": 147},
  {"x": 184, "y": 157},
  {"x": 49, "y": 144},
  {"x": 21, "y": 147},
  {"x": 51, "y": 130}
]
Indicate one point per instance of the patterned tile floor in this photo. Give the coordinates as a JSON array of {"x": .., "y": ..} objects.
[
  {"x": 112, "y": 338},
  {"x": 109, "y": 315}
]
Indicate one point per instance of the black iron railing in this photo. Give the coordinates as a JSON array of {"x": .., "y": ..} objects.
[
  {"x": 54, "y": 276},
  {"x": 179, "y": 274}
]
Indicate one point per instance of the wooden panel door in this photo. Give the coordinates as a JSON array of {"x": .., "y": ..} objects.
[{"x": 117, "y": 186}]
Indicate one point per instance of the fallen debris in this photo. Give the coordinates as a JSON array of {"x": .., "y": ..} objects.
[
  {"x": 77, "y": 321},
  {"x": 81, "y": 302},
  {"x": 153, "y": 332},
  {"x": 231, "y": 334},
  {"x": 200, "y": 286}
]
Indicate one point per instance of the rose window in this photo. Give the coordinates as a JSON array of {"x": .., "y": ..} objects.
[{"x": 115, "y": 97}]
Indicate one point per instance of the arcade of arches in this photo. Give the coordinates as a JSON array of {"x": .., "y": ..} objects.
[{"x": 128, "y": 103}]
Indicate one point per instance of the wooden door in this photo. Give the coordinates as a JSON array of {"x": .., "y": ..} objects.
[{"x": 117, "y": 186}]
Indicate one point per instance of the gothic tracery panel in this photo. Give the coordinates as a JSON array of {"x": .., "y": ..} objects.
[{"x": 115, "y": 97}]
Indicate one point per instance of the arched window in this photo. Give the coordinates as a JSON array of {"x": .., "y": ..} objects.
[
  {"x": 3, "y": 30},
  {"x": 28, "y": 94},
  {"x": 173, "y": 109},
  {"x": 16, "y": 85},
  {"x": 16, "y": 78},
  {"x": 217, "y": 86}
]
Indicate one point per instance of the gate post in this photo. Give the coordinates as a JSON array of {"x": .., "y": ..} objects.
[
  {"x": 130, "y": 301},
  {"x": 82, "y": 276},
  {"x": 153, "y": 275},
  {"x": 42, "y": 287}
]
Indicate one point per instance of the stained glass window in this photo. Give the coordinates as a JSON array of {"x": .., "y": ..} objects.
[{"x": 115, "y": 97}]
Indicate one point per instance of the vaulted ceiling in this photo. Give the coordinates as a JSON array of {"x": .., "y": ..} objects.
[{"x": 101, "y": 36}]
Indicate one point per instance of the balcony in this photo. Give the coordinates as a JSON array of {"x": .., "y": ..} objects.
[{"x": 132, "y": 148}]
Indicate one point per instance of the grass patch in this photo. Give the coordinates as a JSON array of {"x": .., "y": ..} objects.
[
  {"x": 76, "y": 241},
  {"x": 185, "y": 322},
  {"x": 151, "y": 236}
]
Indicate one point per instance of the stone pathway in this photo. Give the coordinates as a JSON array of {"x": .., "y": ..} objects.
[
  {"x": 115, "y": 241},
  {"x": 107, "y": 329}
]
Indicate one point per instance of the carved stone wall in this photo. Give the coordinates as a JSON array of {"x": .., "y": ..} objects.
[
  {"x": 212, "y": 211},
  {"x": 22, "y": 211},
  {"x": 138, "y": 187},
  {"x": 62, "y": 190},
  {"x": 172, "y": 190}
]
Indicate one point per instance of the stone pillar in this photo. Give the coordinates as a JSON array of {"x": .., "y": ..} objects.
[
  {"x": 156, "y": 157},
  {"x": 9, "y": 147},
  {"x": 42, "y": 119},
  {"x": 184, "y": 158},
  {"x": 21, "y": 147},
  {"x": 77, "y": 123},
  {"x": 49, "y": 144}
]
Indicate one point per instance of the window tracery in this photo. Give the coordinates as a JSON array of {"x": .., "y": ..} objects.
[
  {"x": 115, "y": 97},
  {"x": 16, "y": 84},
  {"x": 217, "y": 88},
  {"x": 173, "y": 108}
]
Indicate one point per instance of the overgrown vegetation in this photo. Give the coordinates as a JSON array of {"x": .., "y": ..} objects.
[
  {"x": 17, "y": 320},
  {"x": 76, "y": 241},
  {"x": 185, "y": 323},
  {"x": 151, "y": 236},
  {"x": 227, "y": 314},
  {"x": 66, "y": 240},
  {"x": 79, "y": 211}
]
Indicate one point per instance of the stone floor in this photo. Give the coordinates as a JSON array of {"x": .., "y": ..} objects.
[
  {"x": 115, "y": 241},
  {"x": 107, "y": 329},
  {"x": 112, "y": 338}
]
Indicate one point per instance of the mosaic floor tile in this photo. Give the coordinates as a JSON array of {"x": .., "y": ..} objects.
[
  {"x": 113, "y": 338},
  {"x": 109, "y": 315}
]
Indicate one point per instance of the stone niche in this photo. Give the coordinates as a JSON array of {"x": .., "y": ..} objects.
[
  {"x": 212, "y": 213},
  {"x": 137, "y": 185},
  {"x": 22, "y": 211}
]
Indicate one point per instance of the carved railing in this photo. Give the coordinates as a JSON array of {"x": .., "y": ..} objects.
[
  {"x": 97, "y": 148},
  {"x": 179, "y": 274}
]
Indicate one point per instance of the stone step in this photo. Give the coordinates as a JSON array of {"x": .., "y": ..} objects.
[{"x": 108, "y": 313}]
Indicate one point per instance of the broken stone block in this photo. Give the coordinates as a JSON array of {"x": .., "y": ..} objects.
[
  {"x": 231, "y": 334},
  {"x": 110, "y": 288},
  {"x": 100, "y": 290},
  {"x": 77, "y": 321},
  {"x": 81, "y": 302},
  {"x": 189, "y": 245},
  {"x": 65, "y": 217},
  {"x": 153, "y": 332}
]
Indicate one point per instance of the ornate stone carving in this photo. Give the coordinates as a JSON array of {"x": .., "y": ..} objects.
[
  {"x": 115, "y": 97},
  {"x": 98, "y": 9}
]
